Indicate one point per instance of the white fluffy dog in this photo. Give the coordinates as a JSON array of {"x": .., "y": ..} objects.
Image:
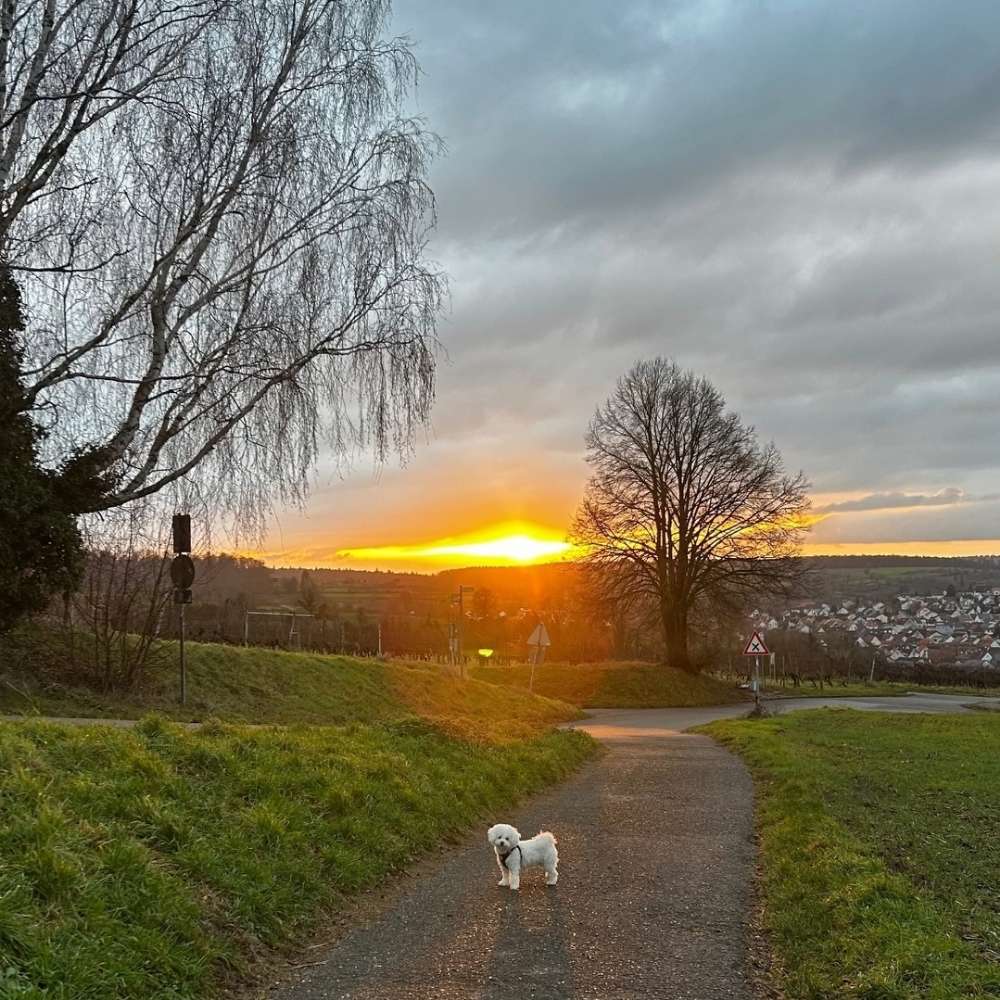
[{"x": 514, "y": 854}]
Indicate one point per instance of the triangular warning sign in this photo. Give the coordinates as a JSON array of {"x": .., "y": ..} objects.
[
  {"x": 540, "y": 637},
  {"x": 756, "y": 646}
]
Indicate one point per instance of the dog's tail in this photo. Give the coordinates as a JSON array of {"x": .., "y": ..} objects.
[{"x": 548, "y": 836}]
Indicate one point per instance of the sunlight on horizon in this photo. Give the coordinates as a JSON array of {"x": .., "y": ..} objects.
[
  {"x": 527, "y": 544},
  {"x": 503, "y": 546}
]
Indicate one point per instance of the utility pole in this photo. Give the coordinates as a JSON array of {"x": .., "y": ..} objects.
[{"x": 459, "y": 598}]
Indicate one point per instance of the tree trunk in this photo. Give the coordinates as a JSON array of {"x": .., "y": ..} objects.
[
  {"x": 620, "y": 640},
  {"x": 675, "y": 637}
]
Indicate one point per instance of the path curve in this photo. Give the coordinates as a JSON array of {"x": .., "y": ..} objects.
[
  {"x": 631, "y": 723},
  {"x": 656, "y": 845},
  {"x": 656, "y": 848}
]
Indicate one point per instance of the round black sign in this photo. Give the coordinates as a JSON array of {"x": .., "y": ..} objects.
[{"x": 182, "y": 571}]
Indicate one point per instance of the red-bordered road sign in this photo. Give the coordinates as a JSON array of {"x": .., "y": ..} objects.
[{"x": 756, "y": 646}]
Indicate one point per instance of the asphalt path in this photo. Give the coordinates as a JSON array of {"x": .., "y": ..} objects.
[
  {"x": 656, "y": 851},
  {"x": 654, "y": 893},
  {"x": 624, "y": 723}
]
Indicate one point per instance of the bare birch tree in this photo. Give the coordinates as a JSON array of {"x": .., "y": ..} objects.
[
  {"x": 684, "y": 507},
  {"x": 218, "y": 212}
]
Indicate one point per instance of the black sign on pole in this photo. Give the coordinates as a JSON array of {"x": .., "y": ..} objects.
[
  {"x": 182, "y": 571},
  {"x": 182, "y": 576},
  {"x": 182, "y": 532}
]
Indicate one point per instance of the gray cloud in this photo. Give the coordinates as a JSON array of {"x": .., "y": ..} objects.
[
  {"x": 800, "y": 200},
  {"x": 891, "y": 501}
]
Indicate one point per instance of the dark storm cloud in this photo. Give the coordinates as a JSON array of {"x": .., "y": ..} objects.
[
  {"x": 800, "y": 200},
  {"x": 557, "y": 113}
]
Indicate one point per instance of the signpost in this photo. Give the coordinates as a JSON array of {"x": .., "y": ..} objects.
[
  {"x": 540, "y": 640},
  {"x": 756, "y": 647},
  {"x": 455, "y": 638},
  {"x": 182, "y": 576}
]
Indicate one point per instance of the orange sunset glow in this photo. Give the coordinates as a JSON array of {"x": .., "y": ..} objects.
[
  {"x": 514, "y": 544},
  {"x": 525, "y": 543},
  {"x": 499, "y": 547}
]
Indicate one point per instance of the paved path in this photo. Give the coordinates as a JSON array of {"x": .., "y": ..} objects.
[
  {"x": 658, "y": 721},
  {"x": 656, "y": 851},
  {"x": 655, "y": 841},
  {"x": 67, "y": 720},
  {"x": 621, "y": 723}
]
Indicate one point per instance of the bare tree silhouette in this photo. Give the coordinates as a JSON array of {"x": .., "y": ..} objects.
[{"x": 684, "y": 509}]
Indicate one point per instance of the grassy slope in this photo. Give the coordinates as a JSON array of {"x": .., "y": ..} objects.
[
  {"x": 880, "y": 852},
  {"x": 253, "y": 684},
  {"x": 615, "y": 685},
  {"x": 160, "y": 861}
]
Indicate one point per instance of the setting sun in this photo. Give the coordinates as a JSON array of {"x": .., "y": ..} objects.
[{"x": 509, "y": 545}]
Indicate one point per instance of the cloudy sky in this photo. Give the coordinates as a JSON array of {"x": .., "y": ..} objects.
[{"x": 800, "y": 200}]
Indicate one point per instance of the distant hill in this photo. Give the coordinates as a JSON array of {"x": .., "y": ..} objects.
[
  {"x": 552, "y": 585},
  {"x": 414, "y": 611},
  {"x": 836, "y": 577}
]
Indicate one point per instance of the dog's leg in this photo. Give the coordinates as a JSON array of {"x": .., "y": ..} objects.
[
  {"x": 551, "y": 874},
  {"x": 515, "y": 876},
  {"x": 504, "y": 874}
]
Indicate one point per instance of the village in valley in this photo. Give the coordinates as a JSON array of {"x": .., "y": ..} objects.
[{"x": 960, "y": 629}]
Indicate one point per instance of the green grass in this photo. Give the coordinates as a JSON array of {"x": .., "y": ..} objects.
[
  {"x": 879, "y": 689},
  {"x": 163, "y": 862},
  {"x": 856, "y": 689},
  {"x": 616, "y": 685},
  {"x": 260, "y": 685},
  {"x": 880, "y": 851}
]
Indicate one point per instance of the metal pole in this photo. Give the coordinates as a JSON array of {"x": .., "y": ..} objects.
[
  {"x": 246, "y": 628},
  {"x": 379, "y": 638},
  {"x": 756, "y": 681},
  {"x": 183, "y": 662},
  {"x": 461, "y": 615}
]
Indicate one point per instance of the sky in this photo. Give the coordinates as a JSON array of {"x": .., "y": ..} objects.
[{"x": 799, "y": 200}]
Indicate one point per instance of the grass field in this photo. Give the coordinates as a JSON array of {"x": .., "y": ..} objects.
[
  {"x": 877, "y": 689},
  {"x": 164, "y": 862},
  {"x": 837, "y": 690},
  {"x": 880, "y": 851},
  {"x": 880, "y": 689},
  {"x": 615, "y": 685},
  {"x": 258, "y": 685}
]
